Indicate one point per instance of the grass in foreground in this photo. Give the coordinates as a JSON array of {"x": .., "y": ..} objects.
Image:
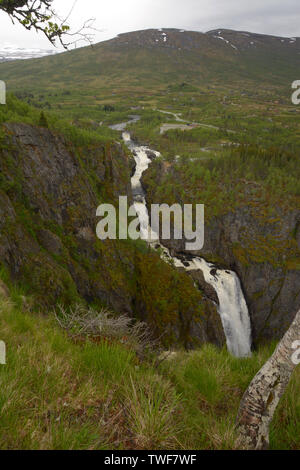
[{"x": 56, "y": 394}]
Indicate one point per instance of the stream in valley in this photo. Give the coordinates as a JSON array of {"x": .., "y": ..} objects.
[{"x": 232, "y": 306}]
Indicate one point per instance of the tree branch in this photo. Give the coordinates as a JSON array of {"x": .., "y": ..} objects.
[{"x": 40, "y": 16}]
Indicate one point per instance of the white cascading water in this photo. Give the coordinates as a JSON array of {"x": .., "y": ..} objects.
[
  {"x": 232, "y": 308},
  {"x": 142, "y": 163}
]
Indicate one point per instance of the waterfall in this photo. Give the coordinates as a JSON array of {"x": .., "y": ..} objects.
[
  {"x": 142, "y": 164},
  {"x": 232, "y": 308}
]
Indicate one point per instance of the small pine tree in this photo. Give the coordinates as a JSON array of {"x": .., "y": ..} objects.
[{"x": 43, "y": 120}]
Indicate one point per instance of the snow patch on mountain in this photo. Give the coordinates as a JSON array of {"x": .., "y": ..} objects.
[{"x": 227, "y": 42}]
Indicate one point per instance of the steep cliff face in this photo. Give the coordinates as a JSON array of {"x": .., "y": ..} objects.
[
  {"x": 263, "y": 249},
  {"x": 48, "y": 200},
  {"x": 256, "y": 250},
  {"x": 49, "y": 191}
]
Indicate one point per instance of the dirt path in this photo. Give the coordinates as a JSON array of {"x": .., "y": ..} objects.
[{"x": 186, "y": 125}]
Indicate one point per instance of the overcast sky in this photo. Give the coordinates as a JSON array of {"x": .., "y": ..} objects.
[{"x": 278, "y": 17}]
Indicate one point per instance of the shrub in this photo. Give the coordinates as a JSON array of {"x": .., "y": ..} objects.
[
  {"x": 103, "y": 325},
  {"x": 43, "y": 120}
]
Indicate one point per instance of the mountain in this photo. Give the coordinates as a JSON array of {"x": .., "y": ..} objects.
[
  {"x": 158, "y": 57},
  {"x": 10, "y": 52}
]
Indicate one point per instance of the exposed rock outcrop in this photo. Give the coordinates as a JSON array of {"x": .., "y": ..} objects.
[{"x": 49, "y": 193}]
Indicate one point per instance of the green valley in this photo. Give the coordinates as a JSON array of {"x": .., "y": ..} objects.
[{"x": 217, "y": 106}]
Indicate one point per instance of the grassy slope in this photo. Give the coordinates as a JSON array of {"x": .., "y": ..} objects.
[{"x": 55, "y": 394}]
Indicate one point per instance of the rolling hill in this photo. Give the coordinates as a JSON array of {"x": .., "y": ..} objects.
[{"x": 152, "y": 58}]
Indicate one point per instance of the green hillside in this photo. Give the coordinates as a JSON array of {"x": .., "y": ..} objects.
[{"x": 145, "y": 59}]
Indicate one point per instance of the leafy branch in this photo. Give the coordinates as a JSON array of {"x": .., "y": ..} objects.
[{"x": 40, "y": 16}]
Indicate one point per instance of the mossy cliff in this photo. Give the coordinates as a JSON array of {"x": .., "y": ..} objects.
[{"x": 50, "y": 187}]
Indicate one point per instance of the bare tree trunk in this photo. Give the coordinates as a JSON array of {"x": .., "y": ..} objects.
[{"x": 263, "y": 394}]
